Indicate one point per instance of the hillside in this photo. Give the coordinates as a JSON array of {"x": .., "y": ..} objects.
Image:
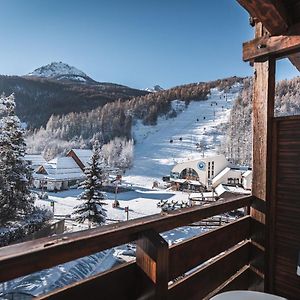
[
  {"x": 238, "y": 143},
  {"x": 116, "y": 119},
  {"x": 60, "y": 91}
]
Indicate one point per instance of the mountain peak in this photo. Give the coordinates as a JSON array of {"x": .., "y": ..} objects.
[
  {"x": 155, "y": 88},
  {"x": 60, "y": 71}
]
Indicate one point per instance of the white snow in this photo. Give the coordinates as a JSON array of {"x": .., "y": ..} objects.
[
  {"x": 155, "y": 156},
  {"x": 57, "y": 69},
  {"x": 61, "y": 168}
]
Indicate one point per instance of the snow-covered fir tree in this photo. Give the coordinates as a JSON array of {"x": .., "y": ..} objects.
[
  {"x": 16, "y": 200},
  {"x": 92, "y": 209}
]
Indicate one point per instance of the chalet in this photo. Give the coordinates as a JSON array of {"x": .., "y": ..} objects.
[
  {"x": 58, "y": 174},
  {"x": 201, "y": 170},
  {"x": 209, "y": 172},
  {"x": 258, "y": 252}
]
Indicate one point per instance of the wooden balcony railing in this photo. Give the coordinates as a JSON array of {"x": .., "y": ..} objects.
[{"x": 225, "y": 258}]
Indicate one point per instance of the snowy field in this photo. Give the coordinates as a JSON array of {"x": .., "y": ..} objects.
[
  {"x": 141, "y": 202},
  {"x": 155, "y": 156}
]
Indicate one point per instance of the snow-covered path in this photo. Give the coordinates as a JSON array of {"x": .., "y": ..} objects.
[{"x": 154, "y": 153}]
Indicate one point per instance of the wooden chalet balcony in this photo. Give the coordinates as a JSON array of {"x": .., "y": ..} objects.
[{"x": 229, "y": 257}]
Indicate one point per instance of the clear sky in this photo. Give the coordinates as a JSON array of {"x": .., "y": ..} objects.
[{"x": 133, "y": 42}]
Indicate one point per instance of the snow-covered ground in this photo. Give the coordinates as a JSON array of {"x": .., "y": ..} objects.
[{"x": 155, "y": 156}]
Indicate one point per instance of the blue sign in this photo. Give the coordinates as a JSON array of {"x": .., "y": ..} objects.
[{"x": 201, "y": 165}]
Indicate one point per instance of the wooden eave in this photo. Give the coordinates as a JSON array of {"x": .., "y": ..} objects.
[{"x": 279, "y": 18}]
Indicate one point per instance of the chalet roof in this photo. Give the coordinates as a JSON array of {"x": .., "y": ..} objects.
[
  {"x": 84, "y": 155},
  {"x": 223, "y": 188},
  {"x": 35, "y": 159},
  {"x": 221, "y": 174},
  {"x": 61, "y": 168}
]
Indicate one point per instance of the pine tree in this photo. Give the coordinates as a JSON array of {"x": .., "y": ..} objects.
[
  {"x": 15, "y": 174},
  {"x": 92, "y": 208}
]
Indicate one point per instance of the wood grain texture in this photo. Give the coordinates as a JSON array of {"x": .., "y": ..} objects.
[
  {"x": 278, "y": 46},
  {"x": 286, "y": 211},
  {"x": 152, "y": 257},
  {"x": 263, "y": 112},
  {"x": 272, "y": 13}
]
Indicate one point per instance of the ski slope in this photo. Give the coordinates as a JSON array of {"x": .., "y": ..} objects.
[{"x": 200, "y": 122}]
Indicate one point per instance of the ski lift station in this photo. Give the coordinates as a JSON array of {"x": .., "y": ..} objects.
[{"x": 209, "y": 172}]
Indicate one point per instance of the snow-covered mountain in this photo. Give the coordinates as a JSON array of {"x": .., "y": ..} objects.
[
  {"x": 154, "y": 89},
  {"x": 61, "y": 71}
]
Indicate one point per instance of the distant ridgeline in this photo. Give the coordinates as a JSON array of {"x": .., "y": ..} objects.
[
  {"x": 238, "y": 142},
  {"x": 38, "y": 98},
  {"x": 114, "y": 119}
]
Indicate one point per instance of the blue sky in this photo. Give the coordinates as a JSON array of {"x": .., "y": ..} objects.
[{"x": 133, "y": 42}]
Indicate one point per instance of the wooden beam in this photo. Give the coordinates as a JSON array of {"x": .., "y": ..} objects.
[
  {"x": 279, "y": 46},
  {"x": 295, "y": 60},
  {"x": 152, "y": 257},
  {"x": 272, "y": 14},
  {"x": 263, "y": 113}
]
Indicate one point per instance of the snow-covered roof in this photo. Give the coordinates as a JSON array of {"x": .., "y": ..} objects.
[
  {"x": 220, "y": 175},
  {"x": 35, "y": 159},
  {"x": 194, "y": 182},
  {"x": 84, "y": 155},
  {"x": 61, "y": 168},
  {"x": 222, "y": 188}
]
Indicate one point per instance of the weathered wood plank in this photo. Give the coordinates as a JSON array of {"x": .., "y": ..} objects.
[
  {"x": 202, "y": 282},
  {"x": 152, "y": 257},
  {"x": 280, "y": 46},
  {"x": 272, "y": 13},
  {"x": 263, "y": 112},
  {"x": 284, "y": 236},
  {"x": 48, "y": 252},
  {"x": 206, "y": 246}
]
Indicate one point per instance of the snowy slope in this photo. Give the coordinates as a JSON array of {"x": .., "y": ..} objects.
[{"x": 198, "y": 123}]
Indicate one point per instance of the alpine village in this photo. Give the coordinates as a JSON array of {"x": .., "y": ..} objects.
[{"x": 186, "y": 192}]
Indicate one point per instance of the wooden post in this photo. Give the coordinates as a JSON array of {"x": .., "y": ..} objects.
[
  {"x": 152, "y": 256},
  {"x": 263, "y": 113}
]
